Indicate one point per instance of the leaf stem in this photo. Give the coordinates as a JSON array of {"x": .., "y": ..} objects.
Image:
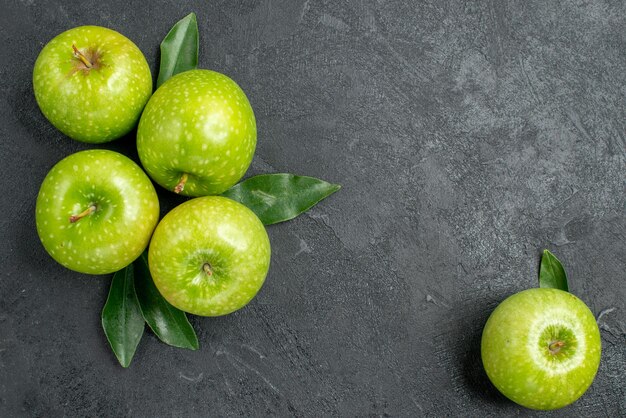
[
  {"x": 75, "y": 218},
  {"x": 207, "y": 269},
  {"x": 555, "y": 346},
  {"x": 181, "y": 183},
  {"x": 81, "y": 57}
]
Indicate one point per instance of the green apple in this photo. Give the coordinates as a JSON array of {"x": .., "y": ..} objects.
[
  {"x": 92, "y": 83},
  {"x": 541, "y": 348},
  {"x": 96, "y": 211},
  {"x": 197, "y": 134},
  {"x": 209, "y": 256}
]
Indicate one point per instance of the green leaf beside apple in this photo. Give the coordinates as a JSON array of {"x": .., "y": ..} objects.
[
  {"x": 179, "y": 49},
  {"x": 552, "y": 274},
  {"x": 280, "y": 197},
  {"x": 122, "y": 320}
]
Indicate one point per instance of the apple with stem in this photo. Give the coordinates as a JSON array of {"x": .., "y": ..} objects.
[
  {"x": 541, "y": 348},
  {"x": 96, "y": 211},
  {"x": 197, "y": 134},
  {"x": 209, "y": 256},
  {"x": 92, "y": 83}
]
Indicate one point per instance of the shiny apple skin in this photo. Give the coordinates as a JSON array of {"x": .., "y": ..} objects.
[
  {"x": 96, "y": 104},
  {"x": 117, "y": 232},
  {"x": 516, "y": 348},
  {"x": 200, "y": 124},
  {"x": 216, "y": 232}
]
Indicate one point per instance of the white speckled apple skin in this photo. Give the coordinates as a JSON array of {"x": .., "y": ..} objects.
[
  {"x": 200, "y": 123},
  {"x": 117, "y": 232},
  {"x": 519, "y": 364},
  {"x": 96, "y": 105},
  {"x": 214, "y": 230}
]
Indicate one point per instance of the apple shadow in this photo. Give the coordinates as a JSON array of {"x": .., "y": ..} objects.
[
  {"x": 28, "y": 248},
  {"x": 26, "y": 110},
  {"x": 473, "y": 373}
]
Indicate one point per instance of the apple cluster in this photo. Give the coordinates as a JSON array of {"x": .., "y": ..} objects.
[{"x": 97, "y": 210}]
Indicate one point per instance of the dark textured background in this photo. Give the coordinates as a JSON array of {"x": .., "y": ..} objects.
[{"x": 467, "y": 137}]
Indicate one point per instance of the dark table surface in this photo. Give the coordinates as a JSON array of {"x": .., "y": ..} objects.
[{"x": 467, "y": 137}]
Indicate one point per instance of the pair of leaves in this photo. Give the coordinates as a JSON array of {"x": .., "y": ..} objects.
[
  {"x": 551, "y": 272},
  {"x": 134, "y": 299}
]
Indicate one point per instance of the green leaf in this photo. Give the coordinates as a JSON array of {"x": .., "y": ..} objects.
[
  {"x": 167, "y": 322},
  {"x": 122, "y": 321},
  {"x": 551, "y": 273},
  {"x": 280, "y": 197},
  {"x": 179, "y": 49}
]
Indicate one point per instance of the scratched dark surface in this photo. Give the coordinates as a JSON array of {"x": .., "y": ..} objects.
[{"x": 467, "y": 137}]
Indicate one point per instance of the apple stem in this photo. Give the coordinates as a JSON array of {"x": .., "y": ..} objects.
[
  {"x": 555, "y": 346},
  {"x": 181, "y": 184},
  {"x": 207, "y": 269},
  {"x": 81, "y": 57},
  {"x": 91, "y": 209}
]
